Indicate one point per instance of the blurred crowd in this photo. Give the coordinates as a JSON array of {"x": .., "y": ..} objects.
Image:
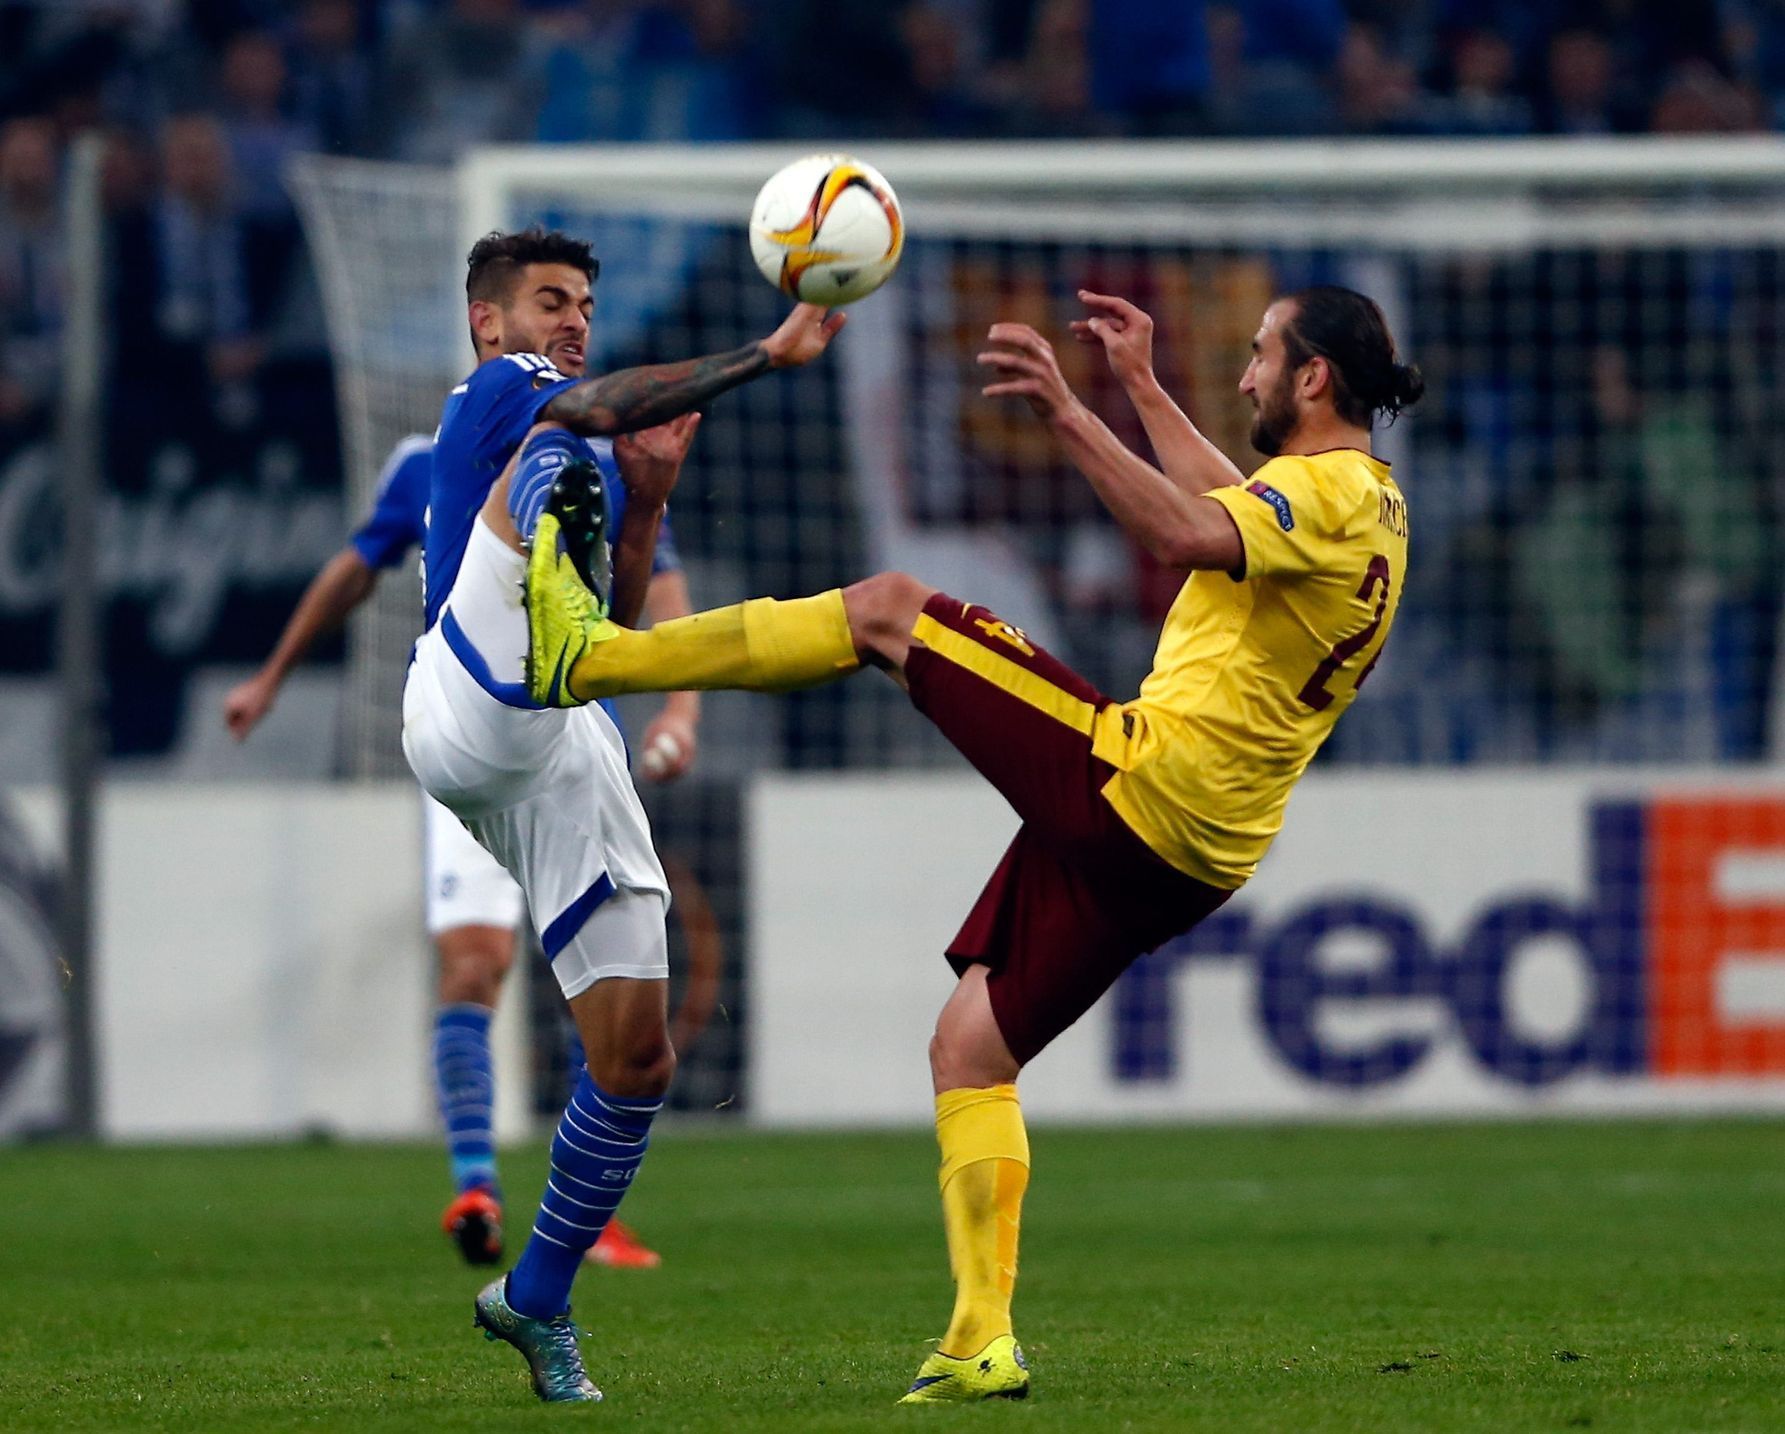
[
  {"x": 419, "y": 78},
  {"x": 205, "y": 99}
]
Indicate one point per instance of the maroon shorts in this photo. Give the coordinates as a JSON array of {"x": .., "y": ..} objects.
[{"x": 1078, "y": 896}]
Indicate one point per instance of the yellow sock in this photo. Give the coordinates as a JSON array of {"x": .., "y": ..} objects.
[
  {"x": 756, "y": 646},
  {"x": 985, "y": 1169}
]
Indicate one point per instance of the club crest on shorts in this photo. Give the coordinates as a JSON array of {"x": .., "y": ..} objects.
[{"x": 1285, "y": 517}]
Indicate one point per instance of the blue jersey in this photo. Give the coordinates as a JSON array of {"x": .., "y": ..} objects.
[
  {"x": 484, "y": 421},
  {"x": 399, "y": 517}
]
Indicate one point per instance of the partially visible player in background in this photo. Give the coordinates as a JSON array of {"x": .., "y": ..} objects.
[
  {"x": 1139, "y": 818},
  {"x": 473, "y": 908}
]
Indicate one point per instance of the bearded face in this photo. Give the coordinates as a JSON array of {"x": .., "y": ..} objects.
[{"x": 1274, "y": 419}]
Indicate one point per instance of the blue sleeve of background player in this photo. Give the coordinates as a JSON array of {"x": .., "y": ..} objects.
[
  {"x": 399, "y": 511},
  {"x": 666, "y": 559}
]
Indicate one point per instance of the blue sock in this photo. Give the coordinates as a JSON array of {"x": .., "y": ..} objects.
[
  {"x": 542, "y": 459},
  {"x": 599, "y": 1146},
  {"x": 466, "y": 1087}
]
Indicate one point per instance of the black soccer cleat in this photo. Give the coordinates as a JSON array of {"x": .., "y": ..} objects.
[{"x": 579, "y": 502}]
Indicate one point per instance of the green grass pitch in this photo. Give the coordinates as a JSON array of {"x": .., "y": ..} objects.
[{"x": 1486, "y": 1277}]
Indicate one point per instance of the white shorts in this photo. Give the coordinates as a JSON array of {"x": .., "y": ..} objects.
[
  {"x": 463, "y": 885},
  {"x": 546, "y": 792}
]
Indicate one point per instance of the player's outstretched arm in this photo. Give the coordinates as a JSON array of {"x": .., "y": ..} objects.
[
  {"x": 1176, "y": 527},
  {"x": 1125, "y": 333},
  {"x": 635, "y": 398},
  {"x": 342, "y": 584}
]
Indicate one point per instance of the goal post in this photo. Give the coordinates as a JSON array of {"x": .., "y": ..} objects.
[{"x": 1170, "y": 166}]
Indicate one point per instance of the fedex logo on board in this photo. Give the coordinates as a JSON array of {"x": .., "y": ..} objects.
[{"x": 1680, "y": 940}]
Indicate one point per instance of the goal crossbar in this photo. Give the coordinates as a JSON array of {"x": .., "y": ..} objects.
[{"x": 1174, "y": 165}]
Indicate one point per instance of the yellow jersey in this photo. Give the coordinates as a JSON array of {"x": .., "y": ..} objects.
[{"x": 1254, "y": 668}]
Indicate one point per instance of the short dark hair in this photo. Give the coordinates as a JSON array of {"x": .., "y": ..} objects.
[
  {"x": 496, "y": 260},
  {"x": 1347, "y": 329}
]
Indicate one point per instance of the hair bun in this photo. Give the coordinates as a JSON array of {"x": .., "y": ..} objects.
[
  {"x": 1347, "y": 329},
  {"x": 1409, "y": 385}
]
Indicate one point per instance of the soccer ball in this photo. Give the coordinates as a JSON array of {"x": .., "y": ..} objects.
[{"x": 827, "y": 229}]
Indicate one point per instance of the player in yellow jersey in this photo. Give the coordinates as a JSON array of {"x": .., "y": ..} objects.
[{"x": 1139, "y": 818}]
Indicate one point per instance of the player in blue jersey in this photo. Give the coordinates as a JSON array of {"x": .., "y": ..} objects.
[
  {"x": 471, "y": 905},
  {"x": 545, "y": 789}
]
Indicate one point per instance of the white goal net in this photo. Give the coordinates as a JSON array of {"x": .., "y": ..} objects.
[{"x": 1595, "y": 473}]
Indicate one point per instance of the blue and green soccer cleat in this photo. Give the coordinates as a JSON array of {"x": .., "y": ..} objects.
[
  {"x": 996, "y": 1372},
  {"x": 548, "y": 1345}
]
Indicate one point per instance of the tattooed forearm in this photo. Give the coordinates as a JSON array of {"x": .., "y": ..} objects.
[{"x": 637, "y": 398}]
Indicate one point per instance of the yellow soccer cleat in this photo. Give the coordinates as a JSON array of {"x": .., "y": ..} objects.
[
  {"x": 564, "y": 618},
  {"x": 996, "y": 1372}
]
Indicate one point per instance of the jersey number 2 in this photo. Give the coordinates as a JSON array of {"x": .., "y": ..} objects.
[{"x": 1314, "y": 691}]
